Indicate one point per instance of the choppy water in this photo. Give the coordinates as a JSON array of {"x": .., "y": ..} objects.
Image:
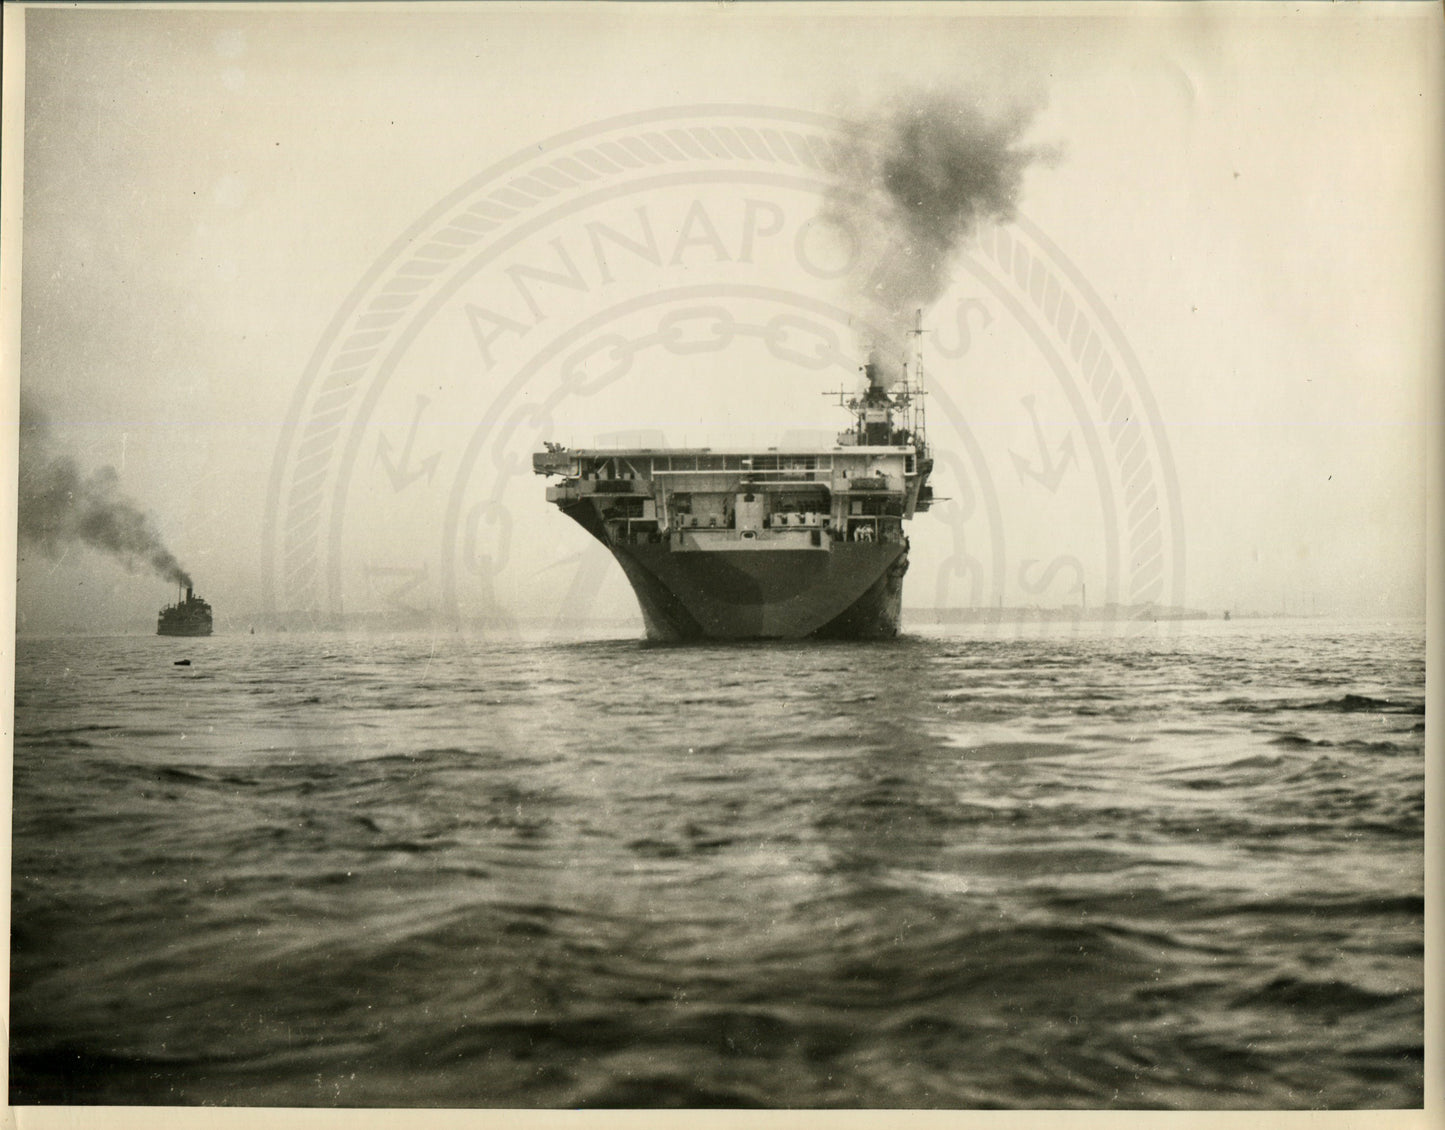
[{"x": 967, "y": 870}]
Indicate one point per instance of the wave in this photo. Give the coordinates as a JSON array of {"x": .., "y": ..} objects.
[
  {"x": 1298, "y": 741},
  {"x": 1331, "y": 997},
  {"x": 1345, "y": 704}
]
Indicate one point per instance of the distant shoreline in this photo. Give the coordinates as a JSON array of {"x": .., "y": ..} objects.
[
  {"x": 1009, "y": 614},
  {"x": 913, "y": 618}
]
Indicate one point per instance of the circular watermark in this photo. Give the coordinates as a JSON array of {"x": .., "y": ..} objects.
[{"x": 664, "y": 278}]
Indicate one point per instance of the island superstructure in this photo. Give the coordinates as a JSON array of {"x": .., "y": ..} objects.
[
  {"x": 189, "y": 616},
  {"x": 781, "y": 543}
]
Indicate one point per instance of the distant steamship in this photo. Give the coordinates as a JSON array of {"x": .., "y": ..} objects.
[
  {"x": 188, "y": 616},
  {"x": 786, "y": 543}
]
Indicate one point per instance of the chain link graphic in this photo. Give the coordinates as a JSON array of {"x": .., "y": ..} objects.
[{"x": 779, "y": 334}]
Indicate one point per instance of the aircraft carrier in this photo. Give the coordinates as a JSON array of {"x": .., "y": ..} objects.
[{"x": 782, "y": 543}]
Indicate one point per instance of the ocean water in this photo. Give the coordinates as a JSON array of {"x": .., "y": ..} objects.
[{"x": 1175, "y": 868}]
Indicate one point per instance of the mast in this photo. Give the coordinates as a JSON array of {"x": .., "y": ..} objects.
[{"x": 919, "y": 423}]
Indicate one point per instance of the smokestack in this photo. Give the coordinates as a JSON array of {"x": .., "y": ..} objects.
[
  {"x": 919, "y": 179},
  {"x": 58, "y": 506}
]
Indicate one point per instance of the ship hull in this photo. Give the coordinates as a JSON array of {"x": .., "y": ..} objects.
[
  {"x": 843, "y": 591},
  {"x": 183, "y": 629}
]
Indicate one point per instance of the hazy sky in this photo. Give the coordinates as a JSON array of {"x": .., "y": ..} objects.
[{"x": 1250, "y": 196}]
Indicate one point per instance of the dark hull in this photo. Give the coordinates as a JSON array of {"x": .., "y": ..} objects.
[
  {"x": 851, "y": 590},
  {"x": 186, "y": 628}
]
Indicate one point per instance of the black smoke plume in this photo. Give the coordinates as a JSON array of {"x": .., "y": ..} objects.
[
  {"x": 916, "y": 181},
  {"x": 59, "y": 506}
]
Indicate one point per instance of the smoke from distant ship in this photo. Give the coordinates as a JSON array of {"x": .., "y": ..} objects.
[
  {"x": 59, "y": 506},
  {"x": 916, "y": 181}
]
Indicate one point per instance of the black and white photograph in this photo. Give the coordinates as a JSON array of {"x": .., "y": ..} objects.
[{"x": 778, "y": 556}]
